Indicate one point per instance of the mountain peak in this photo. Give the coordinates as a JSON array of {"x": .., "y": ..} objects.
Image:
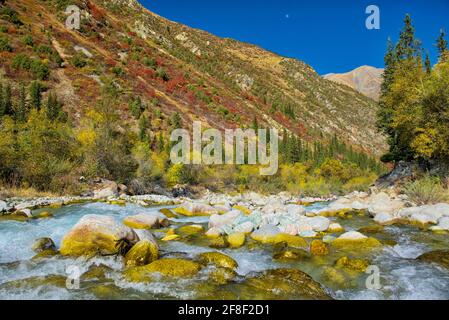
[{"x": 365, "y": 79}]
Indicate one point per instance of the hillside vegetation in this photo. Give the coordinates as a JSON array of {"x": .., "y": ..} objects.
[{"x": 101, "y": 101}]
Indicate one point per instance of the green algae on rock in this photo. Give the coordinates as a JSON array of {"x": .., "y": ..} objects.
[
  {"x": 286, "y": 284},
  {"x": 169, "y": 267},
  {"x": 218, "y": 259},
  {"x": 142, "y": 253},
  {"x": 440, "y": 257},
  {"x": 319, "y": 248}
]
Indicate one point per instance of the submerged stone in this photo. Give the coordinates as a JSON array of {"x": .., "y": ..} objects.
[
  {"x": 218, "y": 259},
  {"x": 440, "y": 257},
  {"x": 43, "y": 244},
  {"x": 319, "y": 248},
  {"x": 358, "y": 265},
  {"x": 169, "y": 267}
]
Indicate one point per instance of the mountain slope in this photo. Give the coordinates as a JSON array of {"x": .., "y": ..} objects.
[
  {"x": 366, "y": 80},
  {"x": 174, "y": 68}
]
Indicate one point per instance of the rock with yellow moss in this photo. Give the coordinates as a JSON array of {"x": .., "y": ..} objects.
[
  {"x": 270, "y": 235},
  {"x": 97, "y": 235},
  {"x": 219, "y": 243},
  {"x": 236, "y": 240},
  {"x": 242, "y": 209},
  {"x": 319, "y": 248},
  {"x": 170, "y": 267},
  {"x": 222, "y": 276},
  {"x": 357, "y": 265},
  {"x": 334, "y": 276},
  {"x": 142, "y": 253},
  {"x": 191, "y": 209},
  {"x": 218, "y": 259},
  {"x": 355, "y": 241},
  {"x": 335, "y": 228},
  {"x": 168, "y": 213},
  {"x": 284, "y": 284},
  {"x": 190, "y": 230},
  {"x": 146, "y": 221}
]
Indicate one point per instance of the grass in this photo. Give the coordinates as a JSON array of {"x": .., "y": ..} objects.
[{"x": 426, "y": 190}]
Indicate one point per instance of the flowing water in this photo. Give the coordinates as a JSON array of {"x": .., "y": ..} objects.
[{"x": 401, "y": 276}]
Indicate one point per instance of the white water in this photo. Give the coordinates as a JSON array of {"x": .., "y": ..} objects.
[{"x": 401, "y": 276}]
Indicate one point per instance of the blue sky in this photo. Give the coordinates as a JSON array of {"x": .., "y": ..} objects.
[{"x": 329, "y": 35}]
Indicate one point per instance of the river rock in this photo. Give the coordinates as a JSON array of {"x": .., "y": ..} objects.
[
  {"x": 108, "y": 189},
  {"x": 191, "y": 209},
  {"x": 218, "y": 259},
  {"x": 236, "y": 240},
  {"x": 335, "y": 228},
  {"x": 385, "y": 219},
  {"x": 43, "y": 244},
  {"x": 295, "y": 210},
  {"x": 148, "y": 221},
  {"x": 440, "y": 257},
  {"x": 142, "y": 253},
  {"x": 265, "y": 232},
  {"x": 97, "y": 234},
  {"x": 382, "y": 203},
  {"x": 443, "y": 223},
  {"x": 423, "y": 219},
  {"x": 170, "y": 267},
  {"x": 218, "y": 221},
  {"x": 319, "y": 224},
  {"x": 3, "y": 206},
  {"x": 352, "y": 235},
  {"x": 284, "y": 284}
]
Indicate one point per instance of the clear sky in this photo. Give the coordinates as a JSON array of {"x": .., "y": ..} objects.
[{"x": 330, "y": 35}]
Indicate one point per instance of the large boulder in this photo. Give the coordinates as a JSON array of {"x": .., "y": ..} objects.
[
  {"x": 148, "y": 221},
  {"x": 170, "y": 267},
  {"x": 385, "y": 219},
  {"x": 319, "y": 224},
  {"x": 96, "y": 234},
  {"x": 382, "y": 203},
  {"x": 108, "y": 189}
]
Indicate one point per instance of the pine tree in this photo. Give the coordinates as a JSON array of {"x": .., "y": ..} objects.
[
  {"x": 143, "y": 127},
  {"x": 176, "y": 121},
  {"x": 442, "y": 44},
  {"x": 407, "y": 47},
  {"x": 36, "y": 94},
  {"x": 2, "y": 103},
  {"x": 7, "y": 101},
  {"x": 21, "y": 111},
  {"x": 428, "y": 65},
  {"x": 54, "y": 108}
]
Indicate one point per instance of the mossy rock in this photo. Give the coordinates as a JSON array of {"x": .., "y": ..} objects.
[
  {"x": 291, "y": 254},
  {"x": 222, "y": 276},
  {"x": 56, "y": 205},
  {"x": 319, "y": 248},
  {"x": 242, "y": 209},
  {"x": 43, "y": 244},
  {"x": 286, "y": 284},
  {"x": 120, "y": 203},
  {"x": 43, "y": 215},
  {"x": 187, "y": 213},
  {"x": 171, "y": 237},
  {"x": 45, "y": 254},
  {"x": 357, "y": 265},
  {"x": 107, "y": 292},
  {"x": 236, "y": 240},
  {"x": 440, "y": 257},
  {"x": 14, "y": 217},
  {"x": 219, "y": 243},
  {"x": 291, "y": 241},
  {"x": 218, "y": 259},
  {"x": 35, "y": 283},
  {"x": 372, "y": 229},
  {"x": 334, "y": 276},
  {"x": 190, "y": 230},
  {"x": 96, "y": 273},
  {"x": 166, "y": 267},
  {"x": 168, "y": 213},
  {"x": 142, "y": 253},
  {"x": 359, "y": 245},
  {"x": 338, "y": 213}
]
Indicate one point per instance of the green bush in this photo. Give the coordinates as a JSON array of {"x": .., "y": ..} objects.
[
  {"x": 4, "y": 45},
  {"x": 21, "y": 61},
  {"x": 78, "y": 61},
  {"x": 10, "y": 15},
  {"x": 28, "y": 40},
  {"x": 40, "y": 70},
  {"x": 427, "y": 190}
]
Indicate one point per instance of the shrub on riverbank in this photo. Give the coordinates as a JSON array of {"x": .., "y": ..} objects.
[{"x": 426, "y": 190}]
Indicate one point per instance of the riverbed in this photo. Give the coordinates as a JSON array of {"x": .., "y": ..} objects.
[{"x": 21, "y": 277}]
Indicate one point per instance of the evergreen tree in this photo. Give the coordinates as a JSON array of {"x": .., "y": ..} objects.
[
  {"x": 54, "y": 108},
  {"x": 36, "y": 89},
  {"x": 442, "y": 44},
  {"x": 176, "y": 121},
  {"x": 21, "y": 111},
  {"x": 143, "y": 127},
  {"x": 7, "y": 101},
  {"x": 2, "y": 103},
  {"x": 408, "y": 47},
  {"x": 428, "y": 65}
]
